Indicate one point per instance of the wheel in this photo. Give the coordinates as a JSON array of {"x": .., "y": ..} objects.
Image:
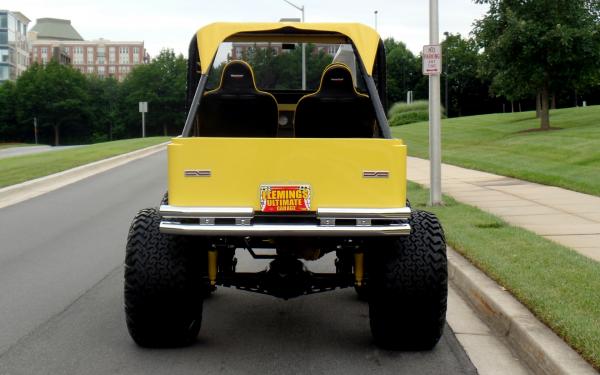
[
  {"x": 163, "y": 284},
  {"x": 409, "y": 286}
]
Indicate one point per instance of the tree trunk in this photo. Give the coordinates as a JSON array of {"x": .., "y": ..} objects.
[
  {"x": 576, "y": 102},
  {"x": 56, "y": 134},
  {"x": 110, "y": 131},
  {"x": 545, "y": 111},
  {"x": 553, "y": 101},
  {"x": 165, "y": 129},
  {"x": 520, "y": 106},
  {"x": 538, "y": 105},
  {"x": 512, "y": 106}
]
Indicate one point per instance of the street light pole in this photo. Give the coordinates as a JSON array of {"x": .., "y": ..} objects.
[
  {"x": 301, "y": 8},
  {"x": 435, "y": 133},
  {"x": 376, "y": 19}
]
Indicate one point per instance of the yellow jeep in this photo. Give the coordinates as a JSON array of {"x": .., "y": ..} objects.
[{"x": 286, "y": 153}]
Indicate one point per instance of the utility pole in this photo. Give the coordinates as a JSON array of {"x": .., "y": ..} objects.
[
  {"x": 376, "y": 19},
  {"x": 435, "y": 133},
  {"x": 301, "y": 8}
]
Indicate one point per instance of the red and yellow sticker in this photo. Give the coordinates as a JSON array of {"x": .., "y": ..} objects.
[{"x": 284, "y": 198}]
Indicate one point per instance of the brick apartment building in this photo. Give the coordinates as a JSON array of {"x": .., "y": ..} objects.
[{"x": 55, "y": 38}]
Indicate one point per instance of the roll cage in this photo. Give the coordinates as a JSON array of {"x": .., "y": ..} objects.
[{"x": 197, "y": 72}]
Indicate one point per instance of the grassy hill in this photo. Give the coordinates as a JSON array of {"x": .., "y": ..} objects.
[
  {"x": 26, "y": 167},
  {"x": 502, "y": 144}
]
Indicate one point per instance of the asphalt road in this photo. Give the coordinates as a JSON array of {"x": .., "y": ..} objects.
[{"x": 61, "y": 300}]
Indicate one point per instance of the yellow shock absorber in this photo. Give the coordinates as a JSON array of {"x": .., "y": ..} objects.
[
  {"x": 359, "y": 270},
  {"x": 212, "y": 266}
]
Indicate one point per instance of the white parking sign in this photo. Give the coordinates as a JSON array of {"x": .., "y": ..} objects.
[{"x": 432, "y": 60}]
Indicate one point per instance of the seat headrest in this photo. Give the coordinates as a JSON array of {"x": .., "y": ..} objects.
[
  {"x": 337, "y": 80},
  {"x": 237, "y": 76}
]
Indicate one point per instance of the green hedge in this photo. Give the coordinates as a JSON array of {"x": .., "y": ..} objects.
[{"x": 401, "y": 113}]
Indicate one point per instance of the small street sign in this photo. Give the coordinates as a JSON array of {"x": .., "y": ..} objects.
[
  {"x": 143, "y": 107},
  {"x": 432, "y": 60}
]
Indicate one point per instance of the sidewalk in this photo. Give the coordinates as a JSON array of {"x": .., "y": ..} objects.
[{"x": 569, "y": 218}]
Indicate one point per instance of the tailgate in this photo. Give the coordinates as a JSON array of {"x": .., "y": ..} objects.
[{"x": 340, "y": 173}]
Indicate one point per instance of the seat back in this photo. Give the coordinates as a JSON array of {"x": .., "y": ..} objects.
[
  {"x": 237, "y": 108},
  {"x": 336, "y": 110}
]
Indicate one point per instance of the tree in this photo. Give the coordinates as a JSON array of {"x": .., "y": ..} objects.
[
  {"x": 537, "y": 47},
  {"x": 105, "y": 119},
  {"x": 467, "y": 92},
  {"x": 403, "y": 70},
  {"x": 54, "y": 94},
  {"x": 283, "y": 71},
  {"x": 162, "y": 84},
  {"x": 8, "y": 118}
]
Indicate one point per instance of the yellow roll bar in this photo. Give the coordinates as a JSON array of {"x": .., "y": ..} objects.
[{"x": 210, "y": 37}]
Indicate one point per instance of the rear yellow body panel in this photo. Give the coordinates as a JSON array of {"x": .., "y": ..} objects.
[{"x": 332, "y": 167}]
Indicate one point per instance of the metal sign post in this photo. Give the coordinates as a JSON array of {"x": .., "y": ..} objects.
[
  {"x": 143, "y": 110},
  {"x": 35, "y": 132},
  {"x": 432, "y": 66}
]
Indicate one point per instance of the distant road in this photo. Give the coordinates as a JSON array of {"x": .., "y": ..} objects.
[
  {"x": 25, "y": 150},
  {"x": 61, "y": 300}
]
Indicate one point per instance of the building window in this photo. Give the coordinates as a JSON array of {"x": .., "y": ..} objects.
[
  {"x": 111, "y": 69},
  {"x": 3, "y": 37},
  {"x": 124, "y": 55},
  {"x": 67, "y": 50},
  {"x": 77, "y": 55},
  {"x": 44, "y": 55},
  {"x": 4, "y": 55},
  {"x": 3, "y": 20},
  {"x": 101, "y": 52},
  {"x": 111, "y": 55},
  {"x": 90, "y": 55},
  {"x": 90, "y": 69},
  {"x": 4, "y": 73}
]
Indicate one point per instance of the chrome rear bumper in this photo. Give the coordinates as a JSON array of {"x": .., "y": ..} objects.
[{"x": 240, "y": 222}]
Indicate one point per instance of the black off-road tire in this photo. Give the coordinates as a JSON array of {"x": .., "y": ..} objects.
[
  {"x": 409, "y": 286},
  {"x": 163, "y": 284}
]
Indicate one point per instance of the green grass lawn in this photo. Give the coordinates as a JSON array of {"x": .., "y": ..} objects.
[
  {"x": 568, "y": 158},
  {"x": 22, "y": 168},
  {"x": 560, "y": 286}
]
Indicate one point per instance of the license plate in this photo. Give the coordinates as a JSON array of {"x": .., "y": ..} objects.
[{"x": 284, "y": 198}]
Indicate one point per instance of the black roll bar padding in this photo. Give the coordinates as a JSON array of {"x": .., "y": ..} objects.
[
  {"x": 193, "y": 72},
  {"x": 189, "y": 122},
  {"x": 374, "y": 95}
]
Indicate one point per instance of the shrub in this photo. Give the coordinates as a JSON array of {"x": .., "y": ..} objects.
[{"x": 401, "y": 113}]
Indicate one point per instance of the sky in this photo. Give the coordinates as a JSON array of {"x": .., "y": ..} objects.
[{"x": 171, "y": 24}]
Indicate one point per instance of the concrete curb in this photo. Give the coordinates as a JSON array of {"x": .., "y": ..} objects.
[
  {"x": 541, "y": 349},
  {"x": 29, "y": 189}
]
